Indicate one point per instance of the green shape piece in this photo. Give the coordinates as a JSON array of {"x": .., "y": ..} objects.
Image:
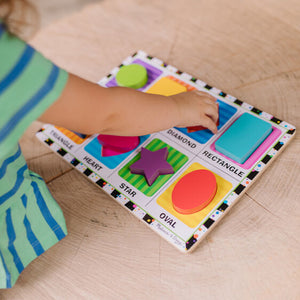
[
  {"x": 175, "y": 158},
  {"x": 133, "y": 76}
]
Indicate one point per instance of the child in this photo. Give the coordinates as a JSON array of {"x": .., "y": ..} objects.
[{"x": 32, "y": 87}]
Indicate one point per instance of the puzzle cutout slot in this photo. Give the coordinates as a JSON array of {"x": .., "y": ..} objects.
[{"x": 166, "y": 87}]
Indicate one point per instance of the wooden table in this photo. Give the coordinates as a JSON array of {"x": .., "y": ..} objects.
[{"x": 250, "y": 49}]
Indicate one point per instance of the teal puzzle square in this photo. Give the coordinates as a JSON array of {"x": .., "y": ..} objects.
[{"x": 243, "y": 137}]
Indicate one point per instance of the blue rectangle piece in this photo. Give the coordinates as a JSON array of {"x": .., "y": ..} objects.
[{"x": 243, "y": 137}]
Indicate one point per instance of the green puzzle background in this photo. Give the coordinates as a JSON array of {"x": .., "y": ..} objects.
[{"x": 175, "y": 158}]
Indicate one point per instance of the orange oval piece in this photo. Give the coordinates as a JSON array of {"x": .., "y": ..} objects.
[{"x": 194, "y": 191}]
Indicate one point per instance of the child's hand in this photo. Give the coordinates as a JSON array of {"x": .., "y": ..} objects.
[
  {"x": 127, "y": 112},
  {"x": 197, "y": 108}
]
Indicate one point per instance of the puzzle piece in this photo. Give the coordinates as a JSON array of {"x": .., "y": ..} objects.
[
  {"x": 133, "y": 76},
  {"x": 243, "y": 137},
  {"x": 106, "y": 151},
  {"x": 115, "y": 145},
  {"x": 152, "y": 164},
  {"x": 191, "y": 220},
  {"x": 194, "y": 191}
]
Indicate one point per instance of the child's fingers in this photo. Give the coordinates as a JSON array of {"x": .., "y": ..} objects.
[
  {"x": 212, "y": 111},
  {"x": 210, "y": 124}
]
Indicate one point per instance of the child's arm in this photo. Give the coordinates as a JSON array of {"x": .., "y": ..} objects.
[{"x": 89, "y": 108}]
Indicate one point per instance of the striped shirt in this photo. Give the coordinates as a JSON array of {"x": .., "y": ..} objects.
[{"x": 30, "y": 219}]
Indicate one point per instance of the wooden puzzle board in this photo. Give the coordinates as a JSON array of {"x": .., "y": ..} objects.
[{"x": 188, "y": 151}]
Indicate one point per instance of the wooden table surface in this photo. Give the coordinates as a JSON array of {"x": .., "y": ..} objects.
[{"x": 249, "y": 49}]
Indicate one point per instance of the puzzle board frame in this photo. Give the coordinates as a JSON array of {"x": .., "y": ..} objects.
[{"x": 180, "y": 231}]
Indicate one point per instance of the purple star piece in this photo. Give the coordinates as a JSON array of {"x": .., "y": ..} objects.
[{"x": 152, "y": 164}]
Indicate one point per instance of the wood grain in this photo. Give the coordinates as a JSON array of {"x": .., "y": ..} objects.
[{"x": 249, "y": 49}]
